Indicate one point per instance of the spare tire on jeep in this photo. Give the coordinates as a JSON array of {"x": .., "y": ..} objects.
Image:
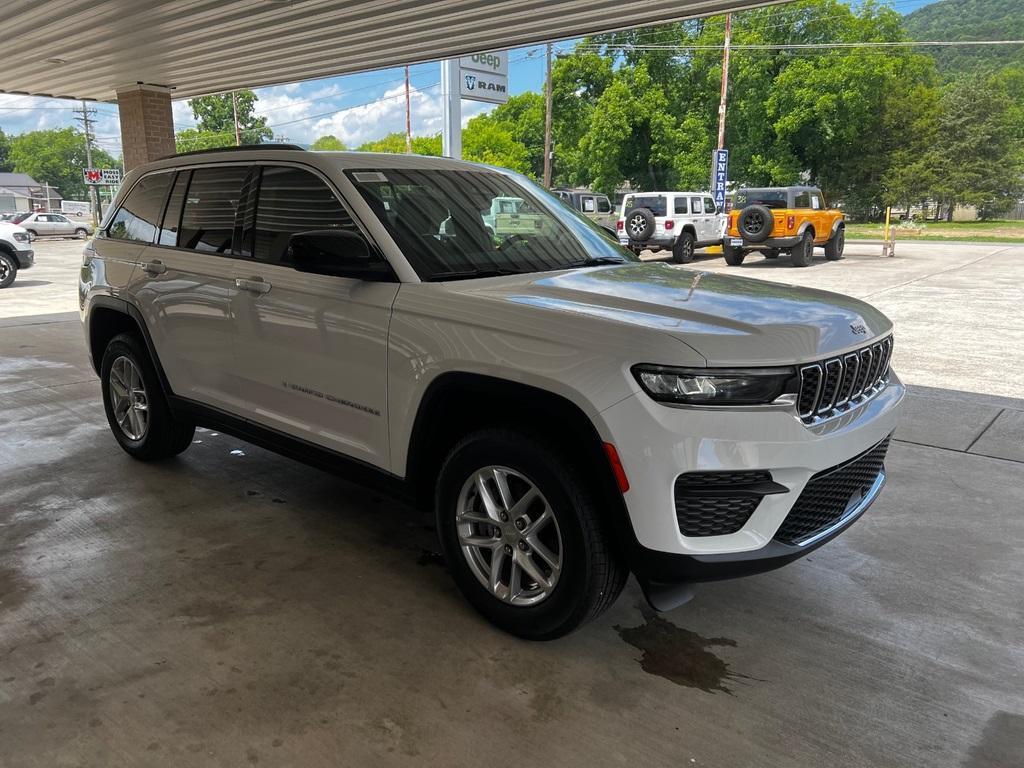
[
  {"x": 755, "y": 223},
  {"x": 640, "y": 224}
]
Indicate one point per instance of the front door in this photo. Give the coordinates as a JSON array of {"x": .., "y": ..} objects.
[
  {"x": 61, "y": 224},
  {"x": 312, "y": 349}
]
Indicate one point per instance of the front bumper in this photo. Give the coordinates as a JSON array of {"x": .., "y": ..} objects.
[
  {"x": 25, "y": 258},
  {"x": 657, "y": 443}
]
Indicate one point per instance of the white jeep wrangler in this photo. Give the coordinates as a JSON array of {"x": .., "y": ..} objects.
[
  {"x": 570, "y": 414},
  {"x": 680, "y": 222}
]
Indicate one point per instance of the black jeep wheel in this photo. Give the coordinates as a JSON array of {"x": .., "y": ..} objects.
[
  {"x": 803, "y": 251},
  {"x": 683, "y": 250},
  {"x": 640, "y": 224},
  {"x": 835, "y": 245},
  {"x": 755, "y": 223},
  {"x": 8, "y": 270},
  {"x": 733, "y": 256}
]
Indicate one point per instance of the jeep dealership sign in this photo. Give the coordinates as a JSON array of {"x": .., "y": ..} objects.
[
  {"x": 102, "y": 176},
  {"x": 484, "y": 77}
]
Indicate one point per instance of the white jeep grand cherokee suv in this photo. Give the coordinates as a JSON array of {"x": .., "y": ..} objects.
[
  {"x": 570, "y": 414},
  {"x": 680, "y": 222}
]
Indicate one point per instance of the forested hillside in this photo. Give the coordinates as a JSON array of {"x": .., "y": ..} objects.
[{"x": 970, "y": 20}]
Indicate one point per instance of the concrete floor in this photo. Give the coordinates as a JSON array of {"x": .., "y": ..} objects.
[{"x": 232, "y": 607}]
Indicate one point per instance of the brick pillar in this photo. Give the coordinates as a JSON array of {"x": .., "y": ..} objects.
[{"x": 147, "y": 127}]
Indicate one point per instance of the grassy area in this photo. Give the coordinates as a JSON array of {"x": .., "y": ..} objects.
[{"x": 967, "y": 231}]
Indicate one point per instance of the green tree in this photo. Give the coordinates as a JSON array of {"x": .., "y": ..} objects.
[
  {"x": 193, "y": 139},
  {"x": 57, "y": 157},
  {"x": 394, "y": 143},
  {"x": 485, "y": 140},
  {"x": 328, "y": 143},
  {"x": 5, "y": 152},
  {"x": 215, "y": 114}
]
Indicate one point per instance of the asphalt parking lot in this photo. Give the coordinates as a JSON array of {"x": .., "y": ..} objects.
[{"x": 233, "y": 607}]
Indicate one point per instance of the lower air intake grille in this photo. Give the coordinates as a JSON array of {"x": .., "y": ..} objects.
[
  {"x": 719, "y": 503},
  {"x": 829, "y": 494}
]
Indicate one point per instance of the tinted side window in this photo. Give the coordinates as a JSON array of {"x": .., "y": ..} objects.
[
  {"x": 172, "y": 216},
  {"x": 208, "y": 218},
  {"x": 603, "y": 206},
  {"x": 293, "y": 200},
  {"x": 803, "y": 200},
  {"x": 709, "y": 205},
  {"x": 681, "y": 206},
  {"x": 139, "y": 215}
]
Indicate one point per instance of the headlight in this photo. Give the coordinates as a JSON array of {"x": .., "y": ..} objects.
[
  {"x": 715, "y": 386},
  {"x": 21, "y": 237}
]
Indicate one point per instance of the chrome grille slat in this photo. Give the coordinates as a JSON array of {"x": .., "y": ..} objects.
[{"x": 835, "y": 385}]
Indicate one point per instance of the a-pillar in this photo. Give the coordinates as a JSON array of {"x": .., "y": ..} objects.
[{"x": 147, "y": 125}]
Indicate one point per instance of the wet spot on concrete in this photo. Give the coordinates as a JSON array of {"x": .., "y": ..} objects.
[
  {"x": 153, "y": 746},
  {"x": 36, "y": 697},
  {"x": 278, "y": 501},
  {"x": 46, "y": 682},
  {"x": 428, "y": 557},
  {"x": 203, "y": 613},
  {"x": 680, "y": 655},
  {"x": 277, "y": 742},
  {"x": 95, "y": 723},
  {"x": 13, "y": 589},
  {"x": 1001, "y": 744}
]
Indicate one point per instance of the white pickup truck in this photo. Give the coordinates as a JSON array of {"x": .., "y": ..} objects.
[{"x": 15, "y": 252}]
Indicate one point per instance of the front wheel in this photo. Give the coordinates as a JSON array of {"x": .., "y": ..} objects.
[
  {"x": 8, "y": 270},
  {"x": 835, "y": 245},
  {"x": 521, "y": 531},
  {"x": 137, "y": 411},
  {"x": 682, "y": 251},
  {"x": 803, "y": 251}
]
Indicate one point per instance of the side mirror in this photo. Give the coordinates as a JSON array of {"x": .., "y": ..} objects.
[{"x": 337, "y": 252}]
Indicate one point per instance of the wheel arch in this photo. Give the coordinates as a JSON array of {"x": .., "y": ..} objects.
[
  {"x": 804, "y": 227},
  {"x": 108, "y": 316},
  {"x": 456, "y": 403}
]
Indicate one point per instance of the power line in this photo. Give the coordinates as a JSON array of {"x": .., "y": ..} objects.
[{"x": 829, "y": 46}]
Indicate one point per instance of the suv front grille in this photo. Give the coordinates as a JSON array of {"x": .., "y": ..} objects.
[
  {"x": 833, "y": 386},
  {"x": 720, "y": 503},
  {"x": 830, "y": 494}
]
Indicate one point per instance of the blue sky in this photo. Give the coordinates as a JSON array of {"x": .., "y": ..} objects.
[{"x": 355, "y": 108}]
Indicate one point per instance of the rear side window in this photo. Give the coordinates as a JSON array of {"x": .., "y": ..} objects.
[
  {"x": 293, "y": 200},
  {"x": 208, "y": 218},
  {"x": 139, "y": 215},
  {"x": 603, "y": 206},
  {"x": 709, "y": 205},
  {"x": 802, "y": 200},
  {"x": 681, "y": 206}
]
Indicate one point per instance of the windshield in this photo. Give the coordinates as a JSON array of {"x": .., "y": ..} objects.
[
  {"x": 453, "y": 224},
  {"x": 20, "y": 217},
  {"x": 771, "y": 198}
]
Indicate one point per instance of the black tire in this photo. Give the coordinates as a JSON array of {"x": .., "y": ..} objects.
[
  {"x": 164, "y": 435},
  {"x": 835, "y": 245},
  {"x": 640, "y": 224},
  {"x": 81, "y": 233},
  {"x": 592, "y": 574},
  {"x": 8, "y": 270},
  {"x": 733, "y": 256},
  {"x": 771, "y": 253},
  {"x": 803, "y": 251},
  {"x": 32, "y": 234},
  {"x": 755, "y": 223},
  {"x": 682, "y": 251}
]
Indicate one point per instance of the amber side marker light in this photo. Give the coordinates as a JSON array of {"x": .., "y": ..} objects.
[{"x": 617, "y": 470}]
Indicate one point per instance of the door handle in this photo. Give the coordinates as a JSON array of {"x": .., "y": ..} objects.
[
  {"x": 255, "y": 285},
  {"x": 154, "y": 267}
]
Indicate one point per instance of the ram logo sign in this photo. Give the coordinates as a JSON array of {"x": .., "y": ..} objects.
[{"x": 484, "y": 77}]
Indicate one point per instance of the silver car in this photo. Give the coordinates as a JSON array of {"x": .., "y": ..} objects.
[{"x": 58, "y": 224}]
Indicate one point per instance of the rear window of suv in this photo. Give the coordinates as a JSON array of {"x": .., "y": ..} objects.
[
  {"x": 771, "y": 198},
  {"x": 656, "y": 203}
]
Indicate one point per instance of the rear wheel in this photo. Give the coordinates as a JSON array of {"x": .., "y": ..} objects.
[
  {"x": 834, "y": 247},
  {"x": 803, "y": 251},
  {"x": 521, "y": 532},
  {"x": 682, "y": 251},
  {"x": 137, "y": 411},
  {"x": 8, "y": 270},
  {"x": 81, "y": 233},
  {"x": 733, "y": 256}
]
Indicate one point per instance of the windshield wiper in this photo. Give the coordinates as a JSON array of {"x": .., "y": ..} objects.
[
  {"x": 467, "y": 274},
  {"x": 594, "y": 261}
]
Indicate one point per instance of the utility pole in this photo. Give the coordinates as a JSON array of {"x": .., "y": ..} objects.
[
  {"x": 547, "y": 120},
  {"x": 408, "y": 114},
  {"x": 725, "y": 81},
  {"x": 86, "y": 120},
  {"x": 234, "y": 111}
]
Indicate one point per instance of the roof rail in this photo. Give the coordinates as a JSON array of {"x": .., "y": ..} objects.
[{"x": 241, "y": 148}]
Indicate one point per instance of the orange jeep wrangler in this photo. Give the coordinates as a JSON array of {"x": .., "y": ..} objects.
[{"x": 776, "y": 219}]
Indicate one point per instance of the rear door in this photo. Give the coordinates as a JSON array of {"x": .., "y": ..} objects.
[
  {"x": 61, "y": 224},
  {"x": 185, "y": 284},
  {"x": 714, "y": 222},
  {"x": 312, "y": 349},
  {"x": 605, "y": 214}
]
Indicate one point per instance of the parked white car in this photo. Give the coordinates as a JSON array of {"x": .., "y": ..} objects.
[
  {"x": 53, "y": 224},
  {"x": 570, "y": 414},
  {"x": 680, "y": 222}
]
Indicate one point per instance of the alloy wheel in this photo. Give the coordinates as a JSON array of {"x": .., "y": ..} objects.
[
  {"x": 509, "y": 535},
  {"x": 128, "y": 398}
]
